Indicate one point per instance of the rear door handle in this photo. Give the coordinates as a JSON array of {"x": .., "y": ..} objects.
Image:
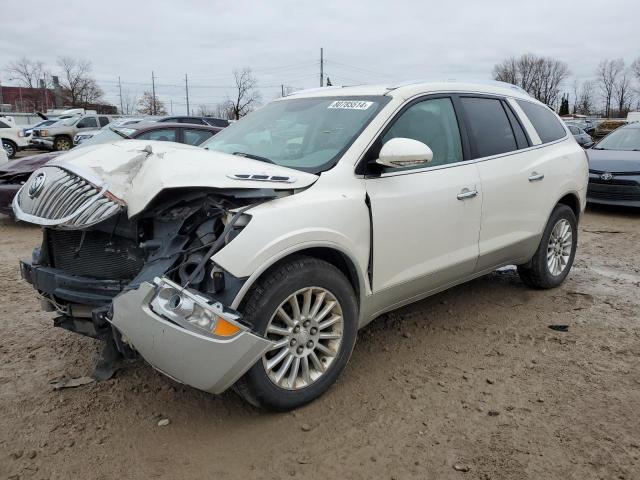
[
  {"x": 536, "y": 177},
  {"x": 466, "y": 193}
]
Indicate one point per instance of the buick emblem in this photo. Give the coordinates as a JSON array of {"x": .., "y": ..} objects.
[
  {"x": 606, "y": 176},
  {"x": 37, "y": 184}
]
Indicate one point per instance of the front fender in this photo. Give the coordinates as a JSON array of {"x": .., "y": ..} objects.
[{"x": 310, "y": 219}]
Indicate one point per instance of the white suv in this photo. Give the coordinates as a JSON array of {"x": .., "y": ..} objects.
[{"x": 255, "y": 263}]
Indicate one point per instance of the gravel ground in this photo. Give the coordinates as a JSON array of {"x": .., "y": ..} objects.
[{"x": 468, "y": 384}]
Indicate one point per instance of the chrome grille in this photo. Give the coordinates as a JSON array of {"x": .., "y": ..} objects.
[{"x": 54, "y": 196}]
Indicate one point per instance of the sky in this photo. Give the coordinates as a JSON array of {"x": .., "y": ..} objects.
[{"x": 280, "y": 40}]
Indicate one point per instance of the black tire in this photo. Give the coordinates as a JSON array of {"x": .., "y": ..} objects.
[
  {"x": 260, "y": 305},
  {"x": 62, "y": 144},
  {"x": 10, "y": 148},
  {"x": 536, "y": 273}
]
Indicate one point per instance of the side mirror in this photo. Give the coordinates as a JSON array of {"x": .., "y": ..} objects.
[{"x": 404, "y": 152}]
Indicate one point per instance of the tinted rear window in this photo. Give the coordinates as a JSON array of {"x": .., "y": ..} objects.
[
  {"x": 490, "y": 128},
  {"x": 543, "y": 120}
]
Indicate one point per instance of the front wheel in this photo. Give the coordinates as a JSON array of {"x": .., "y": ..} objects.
[
  {"x": 552, "y": 261},
  {"x": 308, "y": 309},
  {"x": 10, "y": 148},
  {"x": 62, "y": 144}
]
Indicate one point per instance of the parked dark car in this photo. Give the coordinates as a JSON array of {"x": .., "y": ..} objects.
[
  {"x": 582, "y": 137},
  {"x": 214, "y": 122},
  {"x": 16, "y": 172},
  {"x": 614, "y": 168}
]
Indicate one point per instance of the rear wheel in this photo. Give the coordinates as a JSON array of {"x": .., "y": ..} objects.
[
  {"x": 307, "y": 308},
  {"x": 10, "y": 148},
  {"x": 552, "y": 261},
  {"x": 62, "y": 143}
]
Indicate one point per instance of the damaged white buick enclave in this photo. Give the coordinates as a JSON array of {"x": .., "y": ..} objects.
[{"x": 253, "y": 262}]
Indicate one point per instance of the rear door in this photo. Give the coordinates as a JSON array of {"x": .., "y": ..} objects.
[
  {"x": 516, "y": 197},
  {"x": 426, "y": 220}
]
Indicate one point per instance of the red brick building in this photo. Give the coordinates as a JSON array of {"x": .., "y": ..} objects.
[{"x": 27, "y": 99}]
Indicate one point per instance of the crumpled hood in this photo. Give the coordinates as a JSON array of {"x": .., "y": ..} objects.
[
  {"x": 613, "y": 161},
  {"x": 136, "y": 176},
  {"x": 27, "y": 164}
]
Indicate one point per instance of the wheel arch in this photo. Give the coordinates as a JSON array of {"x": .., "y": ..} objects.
[
  {"x": 571, "y": 200},
  {"x": 332, "y": 254}
]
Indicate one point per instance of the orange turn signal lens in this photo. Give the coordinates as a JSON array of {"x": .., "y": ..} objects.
[{"x": 224, "y": 328}]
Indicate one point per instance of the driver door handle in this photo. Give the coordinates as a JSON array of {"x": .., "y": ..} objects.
[
  {"x": 466, "y": 193},
  {"x": 536, "y": 177}
]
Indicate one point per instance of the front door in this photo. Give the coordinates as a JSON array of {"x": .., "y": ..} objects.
[{"x": 426, "y": 220}]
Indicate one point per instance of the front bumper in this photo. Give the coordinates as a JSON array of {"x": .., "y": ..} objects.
[
  {"x": 71, "y": 288},
  {"x": 7, "y": 192},
  {"x": 203, "y": 362},
  {"x": 42, "y": 142},
  {"x": 622, "y": 190}
]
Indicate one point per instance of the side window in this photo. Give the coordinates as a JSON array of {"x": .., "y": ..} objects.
[
  {"x": 196, "y": 137},
  {"x": 543, "y": 120},
  {"x": 87, "y": 122},
  {"x": 489, "y": 126},
  {"x": 4, "y": 125},
  {"x": 103, "y": 121},
  {"x": 163, "y": 135},
  {"x": 434, "y": 123}
]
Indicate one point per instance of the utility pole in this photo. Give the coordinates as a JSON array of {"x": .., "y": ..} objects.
[
  {"x": 171, "y": 103},
  {"x": 186, "y": 86},
  {"x": 120, "y": 90},
  {"x": 153, "y": 92},
  {"x": 321, "y": 67}
]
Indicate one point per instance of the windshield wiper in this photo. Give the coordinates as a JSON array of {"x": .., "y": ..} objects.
[
  {"x": 254, "y": 157},
  {"x": 123, "y": 135}
]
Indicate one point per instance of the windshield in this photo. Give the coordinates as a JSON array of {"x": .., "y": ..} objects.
[
  {"x": 107, "y": 135},
  {"x": 308, "y": 134},
  {"x": 622, "y": 139},
  {"x": 67, "y": 122}
]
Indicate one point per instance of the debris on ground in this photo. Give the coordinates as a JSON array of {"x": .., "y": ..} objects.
[
  {"x": 71, "y": 382},
  {"x": 559, "y": 328}
]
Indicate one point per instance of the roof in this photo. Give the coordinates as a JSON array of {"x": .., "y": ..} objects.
[
  {"x": 412, "y": 88},
  {"x": 162, "y": 125}
]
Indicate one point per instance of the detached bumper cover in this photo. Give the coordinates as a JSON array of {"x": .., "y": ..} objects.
[{"x": 206, "y": 363}]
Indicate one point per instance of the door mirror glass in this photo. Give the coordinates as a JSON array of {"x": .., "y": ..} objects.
[{"x": 404, "y": 152}]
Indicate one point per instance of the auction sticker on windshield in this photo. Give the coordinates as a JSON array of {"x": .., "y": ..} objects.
[{"x": 350, "y": 104}]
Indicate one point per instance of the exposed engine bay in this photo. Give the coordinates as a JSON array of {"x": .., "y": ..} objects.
[{"x": 79, "y": 272}]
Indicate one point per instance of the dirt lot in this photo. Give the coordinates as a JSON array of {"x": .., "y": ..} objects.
[{"x": 472, "y": 377}]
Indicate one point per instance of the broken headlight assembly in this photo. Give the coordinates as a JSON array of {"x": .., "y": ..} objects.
[{"x": 194, "y": 312}]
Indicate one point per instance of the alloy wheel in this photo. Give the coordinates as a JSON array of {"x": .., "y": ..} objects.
[
  {"x": 559, "y": 247},
  {"x": 307, "y": 330},
  {"x": 9, "y": 149}
]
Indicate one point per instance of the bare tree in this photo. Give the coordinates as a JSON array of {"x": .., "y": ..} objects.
[
  {"x": 77, "y": 81},
  {"x": 151, "y": 105},
  {"x": 623, "y": 94},
  {"x": 129, "y": 102},
  {"x": 539, "y": 76},
  {"x": 224, "y": 110},
  {"x": 607, "y": 73},
  {"x": 635, "y": 69},
  {"x": 585, "y": 100},
  {"x": 30, "y": 74},
  {"x": 246, "y": 97},
  {"x": 205, "y": 110}
]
